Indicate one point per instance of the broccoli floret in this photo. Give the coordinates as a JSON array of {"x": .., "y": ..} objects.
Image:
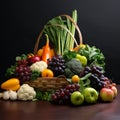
[
  {"x": 73, "y": 67},
  {"x": 68, "y": 73}
]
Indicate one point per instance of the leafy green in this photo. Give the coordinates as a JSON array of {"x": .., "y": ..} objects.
[
  {"x": 21, "y": 57},
  {"x": 68, "y": 55},
  {"x": 43, "y": 95},
  {"x": 35, "y": 75},
  {"x": 93, "y": 55},
  {"x": 10, "y": 72},
  {"x": 61, "y": 32}
]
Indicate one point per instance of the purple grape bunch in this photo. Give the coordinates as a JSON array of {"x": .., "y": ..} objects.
[
  {"x": 97, "y": 80},
  {"x": 62, "y": 96},
  {"x": 23, "y": 71},
  {"x": 57, "y": 65}
]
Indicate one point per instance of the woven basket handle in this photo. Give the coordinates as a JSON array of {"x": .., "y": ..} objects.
[
  {"x": 76, "y": 26},
  {"x": 61, "y": 76}
]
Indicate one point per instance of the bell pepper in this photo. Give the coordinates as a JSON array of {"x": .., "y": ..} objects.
[{"x": 11, "y": 84}]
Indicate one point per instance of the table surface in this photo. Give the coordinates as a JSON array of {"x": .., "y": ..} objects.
[{"x": 43, "y": 110}]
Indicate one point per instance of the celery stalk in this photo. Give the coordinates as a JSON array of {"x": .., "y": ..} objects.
[{"x": 74, "y": 16}]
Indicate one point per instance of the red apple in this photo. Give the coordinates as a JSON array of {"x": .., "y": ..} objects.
[
  {"x": 106, "y": 95},
  {"x": 33, "y": 59},
  {"x": 114, "y": 89}
]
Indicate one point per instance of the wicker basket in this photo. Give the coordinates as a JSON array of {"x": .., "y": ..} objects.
[{"x": 46, "y": 84}]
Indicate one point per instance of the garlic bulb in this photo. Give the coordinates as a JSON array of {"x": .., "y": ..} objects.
[{"x": 5, "y": 95}]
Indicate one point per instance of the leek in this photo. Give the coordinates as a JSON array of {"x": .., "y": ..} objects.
[{"x": 61, "y": 32}]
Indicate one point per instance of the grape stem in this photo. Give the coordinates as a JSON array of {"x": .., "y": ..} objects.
[
  {"x": 86, "y": 76},
  {"x": 84, "y": 81}
]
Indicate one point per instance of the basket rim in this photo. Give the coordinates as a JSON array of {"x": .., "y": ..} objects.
[{"x": 72, "y": 20}]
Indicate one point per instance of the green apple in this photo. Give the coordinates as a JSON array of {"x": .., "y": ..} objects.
[
  {"x": 90, "y": 95},
  {"x": 82, "y": 59},
  {"x": 77, "y": 98},
  {"x": 106, "y": 95}
]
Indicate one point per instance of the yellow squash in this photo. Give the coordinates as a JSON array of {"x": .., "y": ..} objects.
[{"x": 11, "y": 84}]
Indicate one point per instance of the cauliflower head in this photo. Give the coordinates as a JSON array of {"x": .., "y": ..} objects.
[
  {"x": 38, "y": 66},
  {"x": 26, "y": 92}
]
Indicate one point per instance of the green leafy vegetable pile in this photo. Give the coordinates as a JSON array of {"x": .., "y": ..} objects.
[{"x": 93, "y": 55}]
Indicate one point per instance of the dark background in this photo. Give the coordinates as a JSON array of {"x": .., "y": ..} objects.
[{"x": 22, "y": 21}]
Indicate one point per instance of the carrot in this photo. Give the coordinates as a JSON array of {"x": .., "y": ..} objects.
[{"x": 46, "y": 50}]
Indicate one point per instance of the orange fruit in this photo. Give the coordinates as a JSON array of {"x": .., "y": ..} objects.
[
  {"x": 47, "y": 73},
  {"x": 40, "y": 52},
  {"x": 52, "y": 52},
  {"x": 75, "y": 79}
]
